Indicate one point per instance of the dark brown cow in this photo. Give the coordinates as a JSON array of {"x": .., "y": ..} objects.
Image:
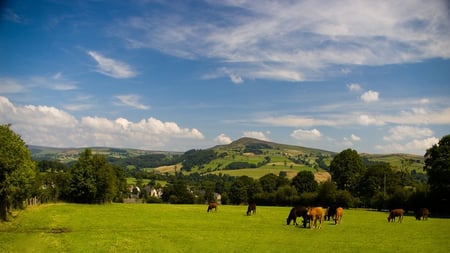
[
  {"x": 396, "y": 213},
  {"x": 315, "y": 214},
  {"x": 211, "y": 206},
  {"x": 338, "y": 215},
  {"x": 251, "y": 208},
  {"x": 422, "y": 213},
  {"x": 330, "y": 212},
  {"x": 299, "y": 211}
]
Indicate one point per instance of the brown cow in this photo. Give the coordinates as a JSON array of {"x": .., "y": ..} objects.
[
  {"x": 299, "y": 211},
  {"x": 251, "y": 208},
  {"x": 394, "y": 213},
  {"x": 422, "y": 213},
  {"x": 314, "y": 214},
  {"x": 338, "y": 215},
  {"x": 330, "y": 212},
  {"x": 211, "y": 206}
]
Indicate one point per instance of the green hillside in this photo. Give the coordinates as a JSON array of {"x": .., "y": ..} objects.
[
  {"x": 66, "y": 155},
  {"x": 246, "y": 156}
]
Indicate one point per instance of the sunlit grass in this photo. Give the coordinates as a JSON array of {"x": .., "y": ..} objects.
[{"x": 189, "y": 228}]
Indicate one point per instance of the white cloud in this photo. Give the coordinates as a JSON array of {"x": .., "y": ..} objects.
[
  {"x": 56, "y": 82},
  {"x": 415, "y": 146},
  {"x": 370, "y": 96},
  {"x": 132, "y": 100},
  {"x": 405, "y": 132},
  {"x": 78, "y": 107},
  {"x": 49, "y": 126},
  {"x": 236, "y": 79},
  {"x": 8, "y": 85},
  {"x": 355, "y": 137},
  {"x": 223, "y": 139},
  {"x": 110, "y": 67},
  {"x": 298, "y": 40},
  {"x": 367, "y": 120},
  {"x": 307, "y": 135},
  {"x": 354, "y": 87},
  {"x": 256, "y": 135}
]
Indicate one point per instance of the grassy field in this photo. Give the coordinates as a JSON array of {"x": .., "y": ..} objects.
[{"x": 189, "y": 228}]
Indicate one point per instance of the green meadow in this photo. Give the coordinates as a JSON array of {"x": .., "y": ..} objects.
[{"x": 189, "y": 228}]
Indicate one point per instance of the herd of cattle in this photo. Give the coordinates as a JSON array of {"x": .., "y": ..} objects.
[{"x": 312, "y": 215}]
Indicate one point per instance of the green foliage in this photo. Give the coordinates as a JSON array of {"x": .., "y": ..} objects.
[
  {"x": 17, "y": 171},
  {"x": 304, "y": 182},
  {"x": 347, "y": 169},
  {"x": 146, "y": 161},
  {"x": 93, "y": 180},
  {"x": 194, "y": 157},
  {"x": 239, "y": 165},
  {"x": 177, "y": 192},
  {"x": 437, "y": 166},
  {"x": 50, "y": 166},
  {"x": 379, "y": 178}
]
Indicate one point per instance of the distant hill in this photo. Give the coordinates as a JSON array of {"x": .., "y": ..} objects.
[
  {"x": 71, "y": 154},
  {"x": 245, "y": 156}
]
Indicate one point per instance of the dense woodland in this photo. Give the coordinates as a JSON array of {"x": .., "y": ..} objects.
[{"x": 95, "y": 178}]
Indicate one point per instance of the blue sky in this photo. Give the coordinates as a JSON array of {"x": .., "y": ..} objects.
[{"x": 373, "y": 76}]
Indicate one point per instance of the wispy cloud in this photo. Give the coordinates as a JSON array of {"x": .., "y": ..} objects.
[
  {"x": 132, "y": 100},
  {"x": 354, "y": 87},
  {"x": 111, "y": 67},
  {"x": 415, "y": 146},
  {"x": 296, "y": 41},
  {"x": 398, "y": 133},
  {"x": 8, "y": 85},
  {"x": 55, "y": 82},
  {"x": 12, "y": 16}
]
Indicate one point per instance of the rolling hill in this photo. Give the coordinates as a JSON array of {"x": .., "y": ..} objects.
[{"x": 245, "y": 156}]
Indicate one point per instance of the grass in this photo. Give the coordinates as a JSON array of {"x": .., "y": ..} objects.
[{"x": 189, "y": 228}]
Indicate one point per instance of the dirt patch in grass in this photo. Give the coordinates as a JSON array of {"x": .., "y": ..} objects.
[{"x": 322, "y": 176}]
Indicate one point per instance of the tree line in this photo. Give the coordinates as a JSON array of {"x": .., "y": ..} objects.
[{"x": 93, "y": 179}]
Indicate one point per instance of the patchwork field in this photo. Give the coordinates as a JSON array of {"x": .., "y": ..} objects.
[{"x": 189, "y": 228}]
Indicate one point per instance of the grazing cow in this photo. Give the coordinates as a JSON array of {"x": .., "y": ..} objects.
[
  {"x": 251, "y": 208},
  {"x": 422, "y": 213},
  {"x": 338, "y": 215},
  {"x": 396, "y": 213},
  {"x": 295, "y": 212},
  {"x": 314, "y": 214},
  {"x": 211, "y": 206},
  {"x": 330, "y": 212}
]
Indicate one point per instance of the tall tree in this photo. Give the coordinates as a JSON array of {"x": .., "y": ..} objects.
[
  {"x": 304, "y": 182},
  {"x": 93, "y": 179},
  {"x": 17, "y": 171},
  {"x": 347, "y": 169},
  {"x": 437, "y": 166},
  {"x": 269, "y": 182},
  {"x": 82, "y": 183}
]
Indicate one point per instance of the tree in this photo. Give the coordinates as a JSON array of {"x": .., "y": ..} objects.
[
  {"x": 304, "y": 182},
  {"x": 177, "y": 192},
  {"x": 346, "y": 170},
  {"x": 93, "y": 180},
  {"x": 379, "y": 178},
  {"x": 437, "y": 166},
  {"x": 269, "y": 182},
  {"x": 17, "y": 171}
]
